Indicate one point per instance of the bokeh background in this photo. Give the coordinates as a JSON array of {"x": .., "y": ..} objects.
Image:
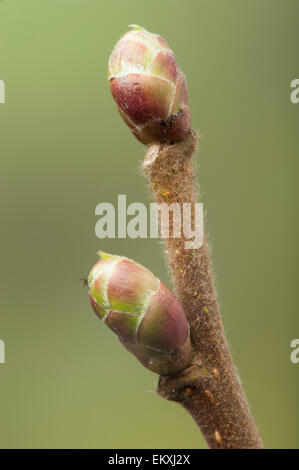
[{"x": 67, "y": 381}]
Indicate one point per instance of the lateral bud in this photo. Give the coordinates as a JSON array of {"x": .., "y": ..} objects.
[{"x": 146, "y": 316}]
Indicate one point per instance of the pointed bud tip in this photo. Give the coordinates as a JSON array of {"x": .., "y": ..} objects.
[
  {"x": 136, "y": 27},
  {"x": 104, "y": 255}
]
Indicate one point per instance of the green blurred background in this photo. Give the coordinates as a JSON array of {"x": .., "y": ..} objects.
[{"x": 67, "y": 381}]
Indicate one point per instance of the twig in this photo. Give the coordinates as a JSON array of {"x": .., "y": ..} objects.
[{"x": 209, "y": 389}]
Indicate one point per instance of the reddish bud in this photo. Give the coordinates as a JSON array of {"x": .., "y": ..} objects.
[
  {"x": 142, "y": 311},
  {"x": 149, "y": 88}
]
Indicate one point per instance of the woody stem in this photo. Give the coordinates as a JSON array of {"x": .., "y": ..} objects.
[{"x": 209, "y": 389}]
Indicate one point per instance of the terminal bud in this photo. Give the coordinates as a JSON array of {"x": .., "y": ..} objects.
[{"x": 149, "y": 88}]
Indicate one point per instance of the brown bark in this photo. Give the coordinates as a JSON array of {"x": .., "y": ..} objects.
[{"x": 209, "y": 388}]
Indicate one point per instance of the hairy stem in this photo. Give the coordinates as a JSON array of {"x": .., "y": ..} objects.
[{"x": 209, "y": 389}]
